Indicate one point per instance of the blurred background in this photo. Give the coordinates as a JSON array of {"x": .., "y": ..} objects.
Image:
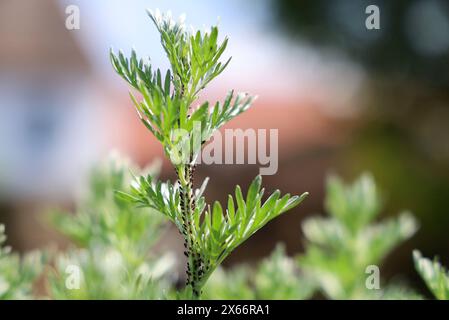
[{"x": 345, "y": 100}]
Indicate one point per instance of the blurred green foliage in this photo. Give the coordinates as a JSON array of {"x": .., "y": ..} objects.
[
  {"x": 114, "y": 257},
  {"x": 340, "y": 248},
  {"x": 102, "y": 218},
  {"x": 17, "y": 274},
  {"x": 113, "y": 253},
  {"x": 106, "y": 274},
  {"x": 434, "y": 275},
  {"x": 277, "y": 277}
]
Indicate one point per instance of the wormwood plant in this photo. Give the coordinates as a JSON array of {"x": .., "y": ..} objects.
[
  {"x": 112, "y": 254},
  {"x": 17, "y": 274},
  {"x": 434, "y": 275},
  {"x": 334, "y": 262},
  {"x": 277, "y": 277},
  {"x": 339, "y": 248},
  {"x": 167, "y": 110}
]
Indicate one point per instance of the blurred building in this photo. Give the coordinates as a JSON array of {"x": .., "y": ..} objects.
[
  {"x": 48, "y": 106},
  {"x": 47, "y": 100}
]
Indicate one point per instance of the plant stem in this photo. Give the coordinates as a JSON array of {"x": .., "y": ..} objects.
[
  {"x": 195, "y": 267},
  {"x": 194, "y": 261}
]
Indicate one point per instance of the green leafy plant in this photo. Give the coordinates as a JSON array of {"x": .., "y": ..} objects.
[
  {"x": 17, "y": 274},
  {"x": 101, "y": 218},
  {"x": 434, "y": 275},
  {"x": 114, "y": 257},
  {"x": 339, "y": 248},
  {"x": 104, "y": 273},
  {"x": 118, "y": 260},
  {"x": 166, "y": 109},
  {"x": 276, "y": 277}
]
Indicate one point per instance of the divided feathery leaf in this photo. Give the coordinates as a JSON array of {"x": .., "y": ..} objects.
[
  {"x": 434, "y": 275},
  {"x": 222, "y": 231},
  {"x": 163, "y": 197}
]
